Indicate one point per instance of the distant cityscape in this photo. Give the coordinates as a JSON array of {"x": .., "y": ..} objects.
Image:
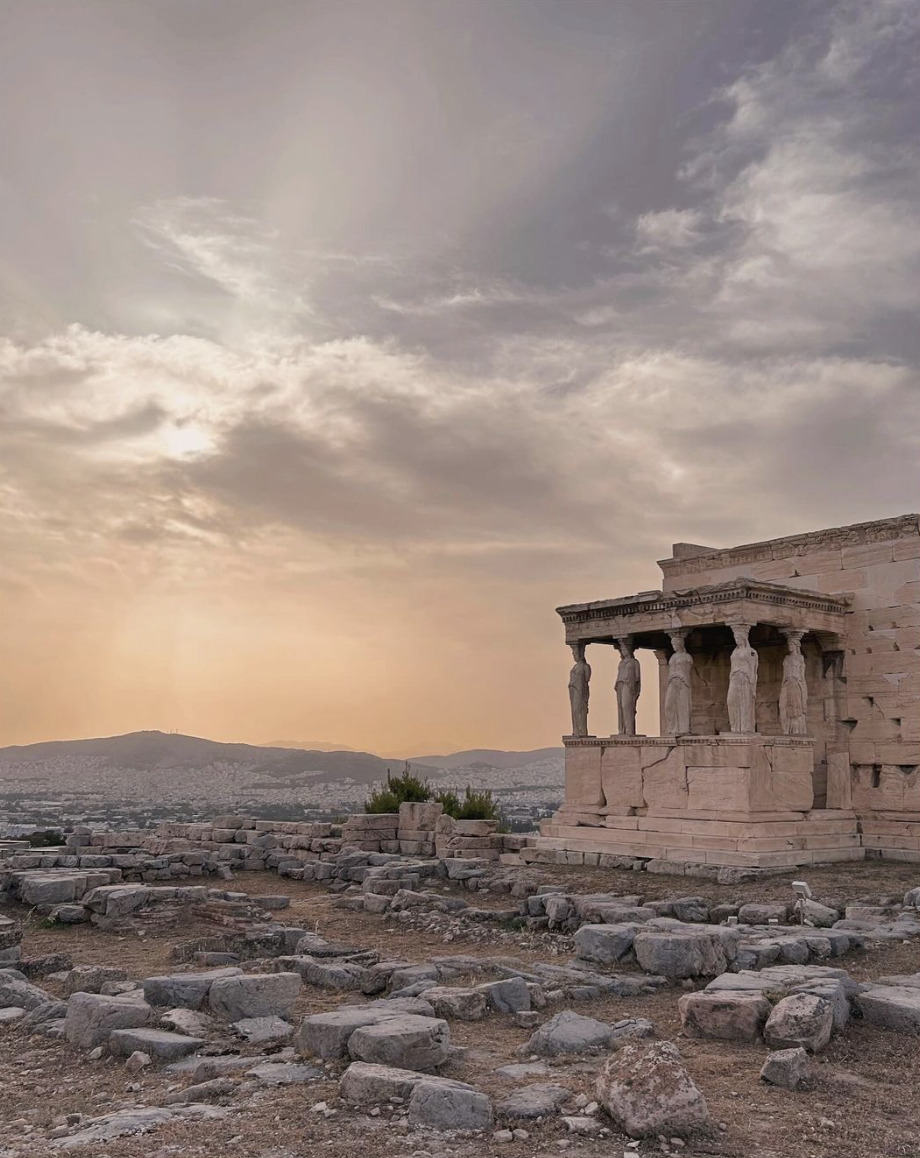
[{"x": 67, "y": 786}]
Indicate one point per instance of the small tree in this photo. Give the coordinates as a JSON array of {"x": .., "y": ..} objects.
[{"x": 398, "y": 790}]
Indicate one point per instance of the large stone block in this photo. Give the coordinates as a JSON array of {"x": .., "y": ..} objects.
[
  {"x": 802, "y": 1019},
  {"x": 680, "y": 953},
  {"x": 446, "y": 1105},
  {"x": 583, "y": 787},
  {"x": 893, "y": 1007},
  {"x": 621, "y": 776},
  {"x": 407, "y": 1041},
  {"x": 254, "y": 995},
  {"x": 729, "y": 1016},
  {"x": 606, "y": 944},
  {"x": 365, "y": 1084},
  {"x": 326, "y": 1035},
  {"x": 92, "y": 1017},
  {"x": 184, "y": 990}
]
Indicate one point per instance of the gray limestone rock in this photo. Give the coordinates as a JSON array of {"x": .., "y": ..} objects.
[
  {"x": 284, "y": 1073},
  {"x": 801, "y": 1019},
  {"x": 569, "y": 1033},
  {"x": 509, "y": 995},
  {"x": 406, "y": 1041},
  {"x": 735, "y": 1016},
  {"x": 606, "y": 944},
  {"x": 441, "y": 1105},
  {"x": 157, "y": 1043},
  {"x": 92, "y": 1017},
  {"x": 259, "y": 1030},
  {"x": 184, "y": 990},
  {"x": 535, "y": 1101},
  {"x": 134, "y": 1120},
  {"x": 646, "y": 1090},
  {"x": 894, "y": 1007},
  {"x": 253, "y": 995},
  {"x": 16, "y": 990},
  {"x": 326, "y": 1035},
  {"x": 187, "y": 1021},
  {"x": 678, "y": 952},
  {"x": 457, "y": 1004},
  {"x": 364, "y": 1084},
  {"x": 786, "y": 1067},
  {"x": 91, "y": 978}
]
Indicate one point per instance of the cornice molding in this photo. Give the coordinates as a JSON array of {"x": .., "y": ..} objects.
[{"x": 653, "y": 602}]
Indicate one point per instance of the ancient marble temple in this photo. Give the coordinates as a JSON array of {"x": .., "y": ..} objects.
[{"x": 789, "y": 691}]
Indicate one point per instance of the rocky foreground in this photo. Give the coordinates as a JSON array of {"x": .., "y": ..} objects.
[{"x": 459, "y": 1006}]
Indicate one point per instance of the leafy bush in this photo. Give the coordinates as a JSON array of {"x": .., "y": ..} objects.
[
  {"x": 449, "y": 801},
  {"x": 398, "y": 790},
  {"x": 473, "y": 806}
]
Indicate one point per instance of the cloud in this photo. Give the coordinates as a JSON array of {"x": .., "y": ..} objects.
[{"x": 668, "y": 229}]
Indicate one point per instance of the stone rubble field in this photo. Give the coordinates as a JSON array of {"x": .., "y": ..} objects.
[{"x": 459, "y": 1005}]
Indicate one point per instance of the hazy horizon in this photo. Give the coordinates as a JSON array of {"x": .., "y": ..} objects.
[{"x": 343, "y": 342}]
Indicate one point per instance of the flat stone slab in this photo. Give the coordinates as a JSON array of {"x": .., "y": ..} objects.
[
  {"x": 730, "y": 1016},
  {"x": 284, "y": 1073},
  {"x": 406, "y": 1041},
  {"x": 535, "y": 1101},
  {"x": 894, "y": 1007},
  {"x": 326, "y": 1035},
  {"x": 522, "y": 1070},
  {"x": 184, "y": 990},
  {"x": 365, "y": 1083},
  {"x": 158, "y": 1043},
  {"x": 136, "y": 1120},
  {"x": 262, "y": 1029}
]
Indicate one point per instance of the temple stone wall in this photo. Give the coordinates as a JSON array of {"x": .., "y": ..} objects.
[{"x": 864, "y": 700}]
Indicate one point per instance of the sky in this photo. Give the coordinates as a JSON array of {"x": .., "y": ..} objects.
[{"x": 344, "y": 341}]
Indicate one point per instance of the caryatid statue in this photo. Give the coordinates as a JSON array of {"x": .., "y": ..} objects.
[
  {"x": 628, "y": 687},
  {"x": 677, "y": 692},
  {"x": 579, "y": 690},
  {"x": 742, "y": 682},
  {"x": 793, "y": 695}
]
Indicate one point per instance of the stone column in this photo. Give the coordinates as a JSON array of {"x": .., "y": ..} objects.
[
  {"x": 742, "y": 682},
  {"x": 677, "y": 703},
  {"x": 579, "y": 690},
  {"x": 628, "y": 687},
  {"x": 793, "y": 695}
]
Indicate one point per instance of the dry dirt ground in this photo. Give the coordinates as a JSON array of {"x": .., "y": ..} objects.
[{"x": 862, "y": 1100}]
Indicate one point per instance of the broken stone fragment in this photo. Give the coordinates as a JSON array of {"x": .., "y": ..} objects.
[{"x": 646, "y": 1090}]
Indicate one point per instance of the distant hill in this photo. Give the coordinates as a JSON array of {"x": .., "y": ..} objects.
[
  {"x": 151, "y": 751},
  {"x": 161, "y": 768},
  {"x": 491, "y": 756},
  {"x": 309, "y": 745}
]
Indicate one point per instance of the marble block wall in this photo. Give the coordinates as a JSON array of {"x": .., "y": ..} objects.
[{"x": 866, "y": 710}]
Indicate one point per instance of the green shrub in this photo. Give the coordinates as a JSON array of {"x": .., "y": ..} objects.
[
  {"x": 449, "y": 801},
  {"x": 473, "y": 806},
  {"x": 398, "y": 790}
]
